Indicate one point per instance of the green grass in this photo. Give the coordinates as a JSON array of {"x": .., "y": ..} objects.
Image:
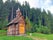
[
  {"x": 46, "y": 36},
  {"x": 3, "y": 36},
  {"x": 14, "y": 38}
]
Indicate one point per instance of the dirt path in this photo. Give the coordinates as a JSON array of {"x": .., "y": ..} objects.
[{"x": 35, "y": 38}]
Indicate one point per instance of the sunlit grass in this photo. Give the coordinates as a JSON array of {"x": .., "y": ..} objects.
[
  {"x": 3, "y": 36},
  {"x": 14, "y": 38},
  {"x": 46, "y": 36}
]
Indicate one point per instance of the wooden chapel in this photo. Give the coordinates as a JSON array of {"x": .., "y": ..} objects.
[{"x": 17, "y": 25}]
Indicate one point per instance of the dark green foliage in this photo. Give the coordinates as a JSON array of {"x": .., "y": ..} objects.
[
  {"x": 37, "y": 20},
  {"x": 33, "y": 29}
]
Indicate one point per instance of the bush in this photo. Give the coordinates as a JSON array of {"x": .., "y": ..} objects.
[
  {"x": 43, "y": 29},
  {"x": 33, "y": 29},
  {"x": 40, "y": 29},
  {"x": 28, "y": 25}
]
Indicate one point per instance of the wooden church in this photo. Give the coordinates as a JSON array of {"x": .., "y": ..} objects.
[{"x": 17, "y": 25}]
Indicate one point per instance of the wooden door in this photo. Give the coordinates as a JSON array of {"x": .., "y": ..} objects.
[{"x": 21, "y": 28}]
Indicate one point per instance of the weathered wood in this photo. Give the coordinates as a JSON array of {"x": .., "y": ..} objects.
[{"x": 17, "y": 25}]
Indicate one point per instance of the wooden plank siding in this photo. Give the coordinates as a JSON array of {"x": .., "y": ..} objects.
[{"x": 17, "y": 25}]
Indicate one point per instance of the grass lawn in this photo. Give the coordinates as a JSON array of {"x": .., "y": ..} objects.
[
  {"x": 3, "y": 36},
  {"x": 14, "y": 38},
  {"x": 43, "y": 36},
  {"x": 34, "y": 36}
]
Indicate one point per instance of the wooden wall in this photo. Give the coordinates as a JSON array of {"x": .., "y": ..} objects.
[{"x": 17, "y": 29}]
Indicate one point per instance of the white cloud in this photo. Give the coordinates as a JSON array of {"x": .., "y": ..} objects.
[
  {"x": 46, "y": 4},
  {"x": 4, "y": 0},
  {"x": 51, "y": 9}
]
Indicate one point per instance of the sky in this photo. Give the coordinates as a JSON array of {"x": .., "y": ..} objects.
[{"x": 46, "y": 4}]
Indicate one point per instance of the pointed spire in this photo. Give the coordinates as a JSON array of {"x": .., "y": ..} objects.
[{"x": 18, "y": 10}]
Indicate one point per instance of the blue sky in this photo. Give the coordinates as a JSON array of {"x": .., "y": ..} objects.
[{"x": 46, "y": 4}]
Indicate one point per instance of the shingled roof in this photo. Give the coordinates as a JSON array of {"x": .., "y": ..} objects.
[{"x": 15, "y": 20}]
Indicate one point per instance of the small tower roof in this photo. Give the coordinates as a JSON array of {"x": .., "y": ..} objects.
[{"x": 18, "y": 10}]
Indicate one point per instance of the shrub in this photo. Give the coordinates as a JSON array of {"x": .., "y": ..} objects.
[
  {"x": 40, "y": 29},
  {"x": 43, "y": 29}
]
